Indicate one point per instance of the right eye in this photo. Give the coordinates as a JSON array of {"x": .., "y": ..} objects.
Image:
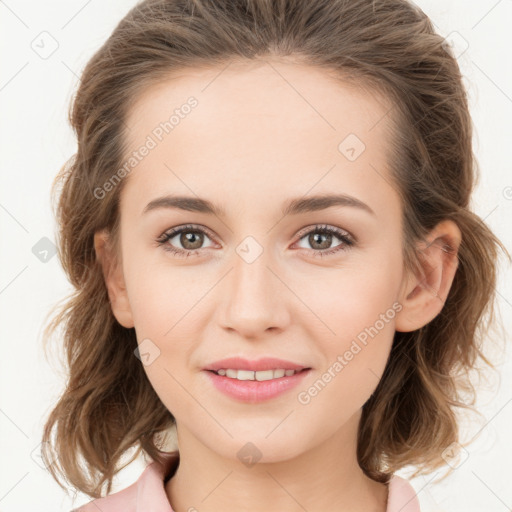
[{"x": 189, "y": 235}]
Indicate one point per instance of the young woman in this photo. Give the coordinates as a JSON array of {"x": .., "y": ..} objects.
[{"x": 268, "y": 229}]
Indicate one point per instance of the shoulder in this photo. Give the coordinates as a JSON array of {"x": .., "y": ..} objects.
[
  {"x": 402, "y": 496},
  {"x": 147, "y": 492}
]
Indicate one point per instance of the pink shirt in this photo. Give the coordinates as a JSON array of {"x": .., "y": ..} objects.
[{"x": 147, "y": 494}]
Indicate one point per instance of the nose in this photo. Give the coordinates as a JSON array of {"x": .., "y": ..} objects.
[{"x": 255, "y": 297}]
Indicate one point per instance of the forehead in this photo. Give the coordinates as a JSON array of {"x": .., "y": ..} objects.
[{"x": 259, "y": 129}]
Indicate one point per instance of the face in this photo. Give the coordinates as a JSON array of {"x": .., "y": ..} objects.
[{"x": 317, "y": 284}]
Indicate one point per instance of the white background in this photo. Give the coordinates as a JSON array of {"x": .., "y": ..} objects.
[{"x": 36, "y": 140}]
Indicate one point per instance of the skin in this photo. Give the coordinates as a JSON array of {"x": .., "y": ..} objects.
[{"x": 260, "y": 135}]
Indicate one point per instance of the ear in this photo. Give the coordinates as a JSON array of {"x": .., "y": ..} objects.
[
  {"x": 423, "y": 296},
  {"x": 114, "y": 278}
]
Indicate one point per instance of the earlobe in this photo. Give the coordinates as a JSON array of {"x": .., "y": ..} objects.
[
  {"x": 114, "y": 279},
  {"x": 423, "y": 296}
]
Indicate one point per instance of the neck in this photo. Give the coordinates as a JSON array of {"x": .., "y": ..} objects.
[{"x": 327, "y": 477}]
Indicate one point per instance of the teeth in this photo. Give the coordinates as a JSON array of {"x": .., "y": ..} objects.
[{"x": 251, "y": 375}]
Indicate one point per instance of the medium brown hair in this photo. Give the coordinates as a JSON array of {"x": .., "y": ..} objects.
[{"x": 388, "y": 46}]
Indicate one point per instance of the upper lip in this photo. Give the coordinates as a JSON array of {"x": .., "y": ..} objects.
[{"x": 265, "y": 363}]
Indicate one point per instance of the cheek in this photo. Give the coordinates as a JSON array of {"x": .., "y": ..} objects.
[
  {"x": 166, "y": 308},
  {"x": 352, "y": 297},
  {"x": 355, "y": 356},
  {"x": 160, "y": 294},
  {"x": 354, "y": 325}
]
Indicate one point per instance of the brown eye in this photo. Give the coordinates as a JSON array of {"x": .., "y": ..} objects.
[
  {"x": 321, "y": 238},
  {"x": 190, "y": 238}
]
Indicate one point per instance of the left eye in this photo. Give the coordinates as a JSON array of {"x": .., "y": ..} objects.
[
  {"x": 192, "y": 237},
  {"x": 314, "y": 237}
]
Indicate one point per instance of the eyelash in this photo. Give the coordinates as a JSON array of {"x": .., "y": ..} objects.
[{"x": 347, "y": 240}]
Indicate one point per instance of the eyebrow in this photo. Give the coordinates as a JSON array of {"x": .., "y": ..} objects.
[{"x": 291, "y": 207}]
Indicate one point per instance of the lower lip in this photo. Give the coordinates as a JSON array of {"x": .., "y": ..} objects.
[{"x": 254, "y": 391}]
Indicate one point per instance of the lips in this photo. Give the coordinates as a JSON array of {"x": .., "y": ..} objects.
[
  {"x": 254, "y": 391},
  {"x": 266, "y": 363}
]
